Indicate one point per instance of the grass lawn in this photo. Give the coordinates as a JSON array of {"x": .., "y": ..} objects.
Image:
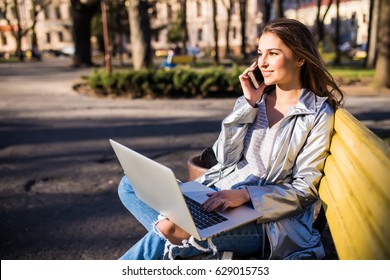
[
  {"x": 351, "y": 72},
  {"x": 7, "y": 60}
]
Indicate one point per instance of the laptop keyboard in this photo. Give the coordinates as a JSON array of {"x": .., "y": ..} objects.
[{"x": 203, "y": 219}]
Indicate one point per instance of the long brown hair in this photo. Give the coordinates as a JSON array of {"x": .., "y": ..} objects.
[{"x": 314, "y": 75}]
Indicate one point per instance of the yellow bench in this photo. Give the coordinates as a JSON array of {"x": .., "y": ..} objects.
[
  {"x": 183, "y": 59},
  {"x": 356, "y": 191}
]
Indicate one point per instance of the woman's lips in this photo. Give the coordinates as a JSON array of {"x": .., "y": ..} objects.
[{"x": 267, "y": 73}]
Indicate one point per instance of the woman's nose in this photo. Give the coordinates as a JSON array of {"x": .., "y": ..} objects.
[{"x": 262, "y": 61}]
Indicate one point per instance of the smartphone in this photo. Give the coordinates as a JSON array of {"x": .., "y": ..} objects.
[{"x": 256, "y": 77}]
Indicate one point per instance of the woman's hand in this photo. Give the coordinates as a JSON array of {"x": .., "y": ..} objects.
[
  {"x": 225, "y": 199},
  {"x": 251, "y": 94},
  {"x": 222, "y": 199}
]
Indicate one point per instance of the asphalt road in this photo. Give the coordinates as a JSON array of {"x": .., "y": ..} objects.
[{"x": 59, "y": 175}]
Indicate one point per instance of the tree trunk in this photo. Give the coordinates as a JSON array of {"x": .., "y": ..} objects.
[
  {"x": 229, "y": 22},
  {"x": 372, "y": 34},
  {"x": 183, "y": 25},
  {"x": 216, "y": 47},
  {"x": 267, "y": 11},
  {"x": 382, "y": 69},
  {"x": 318, "y": 13},
  {"x": 320, "y": 21},
  {"x": 278, "y": 8},
  {"x": 81, "y": 29},
  {"x": 19, "y": 51},
  {"x": 120, "y": 39},
  {"x": 19, "y": 33},
  {"x": 337, "y": 59},
  {"x": 140, "y": 34},
  {"x": 243, "y": 28}
]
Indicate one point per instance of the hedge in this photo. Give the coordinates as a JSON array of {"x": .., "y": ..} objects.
[{"x": 176, "y": 82}]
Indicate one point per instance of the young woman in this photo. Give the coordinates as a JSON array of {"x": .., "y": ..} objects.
[{"x": 271, "y": 152}]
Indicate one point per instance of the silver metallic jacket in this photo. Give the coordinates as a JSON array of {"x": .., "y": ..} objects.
[{"x": 287, "y": 194}]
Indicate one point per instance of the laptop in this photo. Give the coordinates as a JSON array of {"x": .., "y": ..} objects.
[{"x": 157, "y": 186}]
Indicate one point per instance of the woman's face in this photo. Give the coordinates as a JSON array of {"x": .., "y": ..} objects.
[{"x": 277, "y": 62}]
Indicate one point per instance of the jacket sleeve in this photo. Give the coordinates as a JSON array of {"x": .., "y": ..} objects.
[{"x": 276, "y": 201}]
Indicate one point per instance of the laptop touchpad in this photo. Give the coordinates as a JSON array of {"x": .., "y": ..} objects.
[{"x": 198, "y": 196}]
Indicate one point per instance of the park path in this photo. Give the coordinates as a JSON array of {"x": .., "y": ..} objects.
[{"x": 58, "y": 173}]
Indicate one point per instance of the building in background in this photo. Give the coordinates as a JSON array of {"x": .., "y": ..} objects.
[
  {"x": 354, "y": 19},
  {"x": 53, "y": 26}
]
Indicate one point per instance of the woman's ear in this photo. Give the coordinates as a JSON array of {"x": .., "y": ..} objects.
[{"x": 300, "y": 62}]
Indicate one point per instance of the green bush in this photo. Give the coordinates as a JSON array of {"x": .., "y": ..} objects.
[
  {"x": 177, "y": 82},
  {"x": 184, "y": 82},
  {"x": 138, "y": 82},
  {"x": 105, "y": 84},
  {"x": 94, "y": 80},
  {"x": 162, "y": 83},
  {"x": 232, "y": 78},
  {"x": 110, "y": 82},
  {"x": 188, "y": 82}
]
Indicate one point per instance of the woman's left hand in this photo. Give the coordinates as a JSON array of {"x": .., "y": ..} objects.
[{"x": 225, "y": 199}]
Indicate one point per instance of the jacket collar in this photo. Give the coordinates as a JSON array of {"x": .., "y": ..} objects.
[{"x": 308, "y": 102}]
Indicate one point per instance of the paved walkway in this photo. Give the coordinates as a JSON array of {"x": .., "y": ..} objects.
[{"x": 58, "y": 173}]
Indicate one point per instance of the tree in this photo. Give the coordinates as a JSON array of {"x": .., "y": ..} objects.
[
  {"x": 274, "y": 6},
  {"x": 228, "y": 5},
  {"x": 337, "y": 59},
  {"x": 184, "y": 25},
  {"x": 372, "y": 34},
  {"x": 216, "y": 47},
  {"x": 175, "y": 33},
  {"x": 243, "y": 6},
  {"x": 382, "y": 69},
  {"x": 278, "y": 8},
  {"x": 140, "y": 32},
  {"x": 9, "y": 7},
  {"x": 118, "y": 26},
  {"x": 320, "y": 21},
  {"x": 267, "y": 11},
  {"x": 82, "y": 12}
]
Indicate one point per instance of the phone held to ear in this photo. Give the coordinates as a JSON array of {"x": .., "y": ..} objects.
[{"x": 256, "y": 77}]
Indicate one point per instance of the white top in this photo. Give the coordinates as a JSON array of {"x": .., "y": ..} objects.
[{"x": 256, "y": 154}]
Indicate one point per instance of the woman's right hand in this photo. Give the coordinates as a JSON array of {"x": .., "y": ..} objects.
[{"x": 251, "y": 94}]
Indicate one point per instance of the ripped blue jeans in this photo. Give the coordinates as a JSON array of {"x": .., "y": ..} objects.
[{"x": 242, "y": 241}]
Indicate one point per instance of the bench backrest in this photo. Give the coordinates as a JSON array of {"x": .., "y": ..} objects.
[
  {"x": 183, "y": 59},
  {"x": 356, "y": 191}
]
